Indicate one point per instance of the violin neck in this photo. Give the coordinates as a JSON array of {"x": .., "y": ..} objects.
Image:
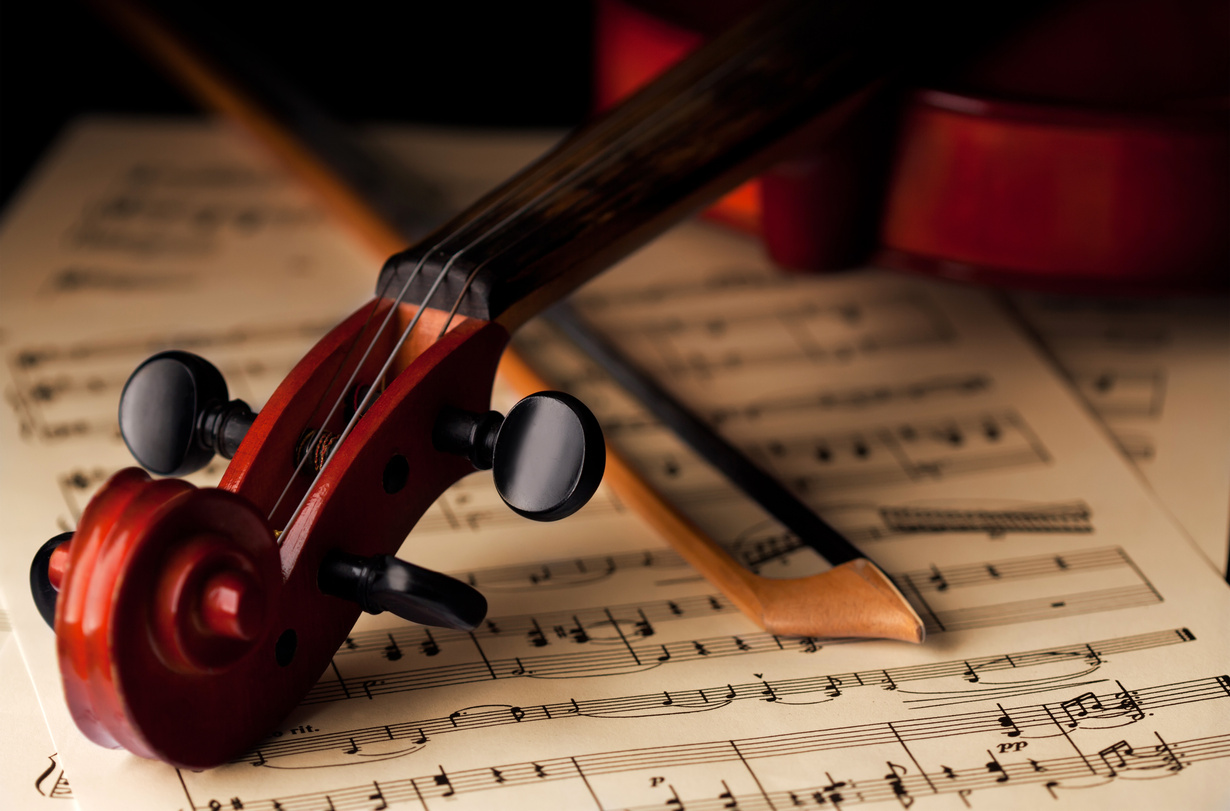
[{"x": 703, "y": 127}]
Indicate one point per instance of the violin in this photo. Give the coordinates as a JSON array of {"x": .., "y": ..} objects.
[
  {"x": 1086, "y": 153},
  {"x": 175, "y": 607}
]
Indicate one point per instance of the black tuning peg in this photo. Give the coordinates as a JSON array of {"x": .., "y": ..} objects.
[
  {"x": 41, "y": 588},
  {"x": 175, "y": 414},
  {"x": 547, "y": 455},
  {"x": 385, "y": 583}
]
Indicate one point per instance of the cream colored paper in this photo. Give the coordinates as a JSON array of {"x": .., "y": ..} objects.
[
  {"x": 30, "y": 772},
  {"x": 1157, "y": 372},
  {"x": 1077, "y": 639}
]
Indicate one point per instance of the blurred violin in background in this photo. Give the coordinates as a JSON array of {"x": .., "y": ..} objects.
[{"x": 1088, "y": 152}]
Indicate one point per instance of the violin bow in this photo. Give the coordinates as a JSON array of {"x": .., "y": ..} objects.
[{"x": 853, "y": 599}]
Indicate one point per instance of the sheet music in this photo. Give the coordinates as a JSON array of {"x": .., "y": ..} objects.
[
  {"x": 1157, "y": 372},
  {"x": 1076, "y": 648},
  {"x": 30, "y": 772}
]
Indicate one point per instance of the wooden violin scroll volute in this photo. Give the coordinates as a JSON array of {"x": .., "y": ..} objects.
[{"x": 180, "y": 606}]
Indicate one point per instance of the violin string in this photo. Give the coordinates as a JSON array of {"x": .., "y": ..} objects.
[
  {"x": 341, "y": 398},
  {"x": 311, "y": 420},
  {"x": 319, "y": 436},
  {"x": 601, "y": 160}
]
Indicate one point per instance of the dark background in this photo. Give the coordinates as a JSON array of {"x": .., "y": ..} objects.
[{"x": 505, "y": 64}]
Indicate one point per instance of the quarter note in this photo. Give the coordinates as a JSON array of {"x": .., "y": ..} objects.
[
  {"x": 391, "y": 651},
  {"x": 994, "y": 767},
  {"x": 442, "y": 780},
  {"x": 379, "y": 795},
  {"x": 1005, "y": 721},
  {"x": 643, "y": 626},
  {"x": 898, "y": 786}
]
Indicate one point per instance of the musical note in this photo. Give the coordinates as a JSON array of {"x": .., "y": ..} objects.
[
  {"x": 894, "y": 779},
  {"x": 1115, "y": 756},
  {"x": 996, "y": 768},
  {"x": 428, "y": 646},
  {"x": 1005, "y": 721},
  {"x": 442, "y": 780}
]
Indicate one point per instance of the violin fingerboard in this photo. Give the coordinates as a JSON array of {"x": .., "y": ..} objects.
[{"x": 700, "y": 129}]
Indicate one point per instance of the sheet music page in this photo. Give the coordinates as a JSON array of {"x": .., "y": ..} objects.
[
  {"x": 1157, "y": 372},
  {"x": 1076, "y": 650},
  {"x": 30, "y": 773}
]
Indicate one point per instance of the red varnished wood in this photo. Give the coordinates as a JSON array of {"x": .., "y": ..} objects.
[
  {"x": 265, "y": 461},
  {"x": 1042, "y": 195},
  {"x": 142, "y": 666}
]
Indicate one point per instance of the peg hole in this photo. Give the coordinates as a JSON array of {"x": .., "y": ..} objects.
[
  {"x": 396, "y": 474},
  {"x": 284, "y": 648}
]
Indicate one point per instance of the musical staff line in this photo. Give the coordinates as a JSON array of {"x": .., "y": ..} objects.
[
  {"x": 853, "y": 399},
  {"x": 1119, "y": 708},
  {"x": 1069, "y": 517},
  {"x": 788, "y": 324},
  {"x": 1117, "y": 393},
  {"x": 591, "y": 654},
  {"x": 576, "y": 626},
  {"x": 759, "y": 548},
  {"x": 604, "y": 625},
  {"x": 927, "y": 450},
  {"x": 976, "y": 574},
  {"x": 1087, "y": 656},
  {"x": 57, "y": 392}
]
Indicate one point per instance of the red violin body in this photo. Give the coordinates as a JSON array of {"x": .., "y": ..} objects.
[{"x": 1087, "y": 153}]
